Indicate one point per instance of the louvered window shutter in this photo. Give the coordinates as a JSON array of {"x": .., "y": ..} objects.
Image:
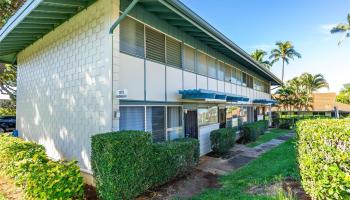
[
  {"x": 189, "y": 58},
  {"x": 132, "y": 37},
  {"x": 174, "y": 52},
  {"x": 212, "y": 70},
  {"x": 227, "y": 73},
  {"x": 221, "y": 71},
  {"x": 202, "y": 64},
  {"x": 155, "y": 45}
]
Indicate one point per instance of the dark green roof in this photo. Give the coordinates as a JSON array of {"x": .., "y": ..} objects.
[{"x": 32, "y": 21}]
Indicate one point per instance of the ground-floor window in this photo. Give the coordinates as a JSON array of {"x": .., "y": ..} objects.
[
  {"x": 207, "y": 116},
  {"x": 174, "y": 122},
  {"x": 164, "y": 122},
  {"x": 155, "y": 121},
  {"x": 132, "y": 118}
]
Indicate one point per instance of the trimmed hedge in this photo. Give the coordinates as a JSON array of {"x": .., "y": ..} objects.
[
  {"x": 127, "y": 163},
  {"x": 324, "y": 157},
  {"x": 290, "y": 122},
  {"x": 7, "y": 111},
  {"x": 222, "y": 140},
  {"x": 27, "y": 165},
  {"x": 251, "y": 131}
]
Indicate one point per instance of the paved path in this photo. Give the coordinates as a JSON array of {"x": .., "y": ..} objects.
[{"x": 239, "y": 156}]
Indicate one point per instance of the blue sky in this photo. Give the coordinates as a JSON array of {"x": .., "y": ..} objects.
[{"x": 259, "y": 24}]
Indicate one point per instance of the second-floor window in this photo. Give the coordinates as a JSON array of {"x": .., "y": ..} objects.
[
  {"x": 132, "y": 37},
  {"x": 155, "y": 45}
]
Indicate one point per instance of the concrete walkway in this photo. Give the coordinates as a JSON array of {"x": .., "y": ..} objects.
[{"x": 239, "y": 156}]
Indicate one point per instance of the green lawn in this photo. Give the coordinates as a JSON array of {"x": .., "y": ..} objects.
[
  {"x": 274, "y": 133},
  {"x": 272, "y": 166},
  {"x": 2, "y": 197}
]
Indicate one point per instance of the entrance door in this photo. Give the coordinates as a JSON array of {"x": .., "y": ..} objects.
[
  {"x": 222, "y": 117},
  {"x": 191, "y": 124}
]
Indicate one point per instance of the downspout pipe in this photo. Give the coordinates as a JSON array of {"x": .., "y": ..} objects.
[{"x": 124, "y": 14}]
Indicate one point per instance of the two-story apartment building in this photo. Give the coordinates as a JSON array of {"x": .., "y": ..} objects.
[{"x": 88, "y": 67}]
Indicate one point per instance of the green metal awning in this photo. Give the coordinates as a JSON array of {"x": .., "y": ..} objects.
[{"x": 32, "y": 21}]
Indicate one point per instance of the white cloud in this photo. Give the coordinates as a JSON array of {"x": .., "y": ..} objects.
[
  {"x": 265, "y": 47},
  {"x": 326, "y": 28}
]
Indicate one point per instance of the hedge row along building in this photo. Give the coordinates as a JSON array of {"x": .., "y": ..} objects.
[{"x": 89, "y": 67}]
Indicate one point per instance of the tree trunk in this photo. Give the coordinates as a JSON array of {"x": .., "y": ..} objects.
[{"x": 282, "y": 70}]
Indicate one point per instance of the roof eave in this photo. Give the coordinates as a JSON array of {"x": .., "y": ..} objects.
[{"x": 220, "y": 37}]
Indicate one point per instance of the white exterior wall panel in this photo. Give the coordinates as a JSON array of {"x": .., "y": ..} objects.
[
  {"x": 132, "y": 76},
  {"x": 221, "y": 86},
  {"x": 204, "y": 138},
  {"x": 155, "y": 81},
  {"x": 212, "y": 84},
  {"x": 173, "y": 83},
  {"x": 228, "y": 87},
  {"x": 202, "y": 82},
  {"x": 64, "y": 85},
  {"x": 189, "y": 80}
]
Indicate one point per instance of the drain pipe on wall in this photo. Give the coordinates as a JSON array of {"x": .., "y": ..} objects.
[
  {"x": 115, "y": 113},
  {"x": 125, "y": 13}
]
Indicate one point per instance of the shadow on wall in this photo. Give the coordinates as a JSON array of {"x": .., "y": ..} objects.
[{"x": 63, "y": 119}]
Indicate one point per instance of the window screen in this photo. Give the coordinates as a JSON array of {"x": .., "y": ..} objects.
[
  {"x": 212, "y": 70},
  {"x": 132, "y": 37},
  {"x": 155, "y": 45},
  {"x": 174, "y": 52},
  {"x": 202, "y": 64},
  {"x": 233, "y": 76},
  {"x": 221, "y": 71},
  {"x": 244, "y": 79},
  {"x": 189, "y": 58},
  {"x": 174, "y": 119},
  {"x": 132, "y": 118},
  {"x": 249, "y": 81},
  {"x": 238, "y": 77},
  {"x": 227, "y": 73},
  {"x": 156, "y": 123}
]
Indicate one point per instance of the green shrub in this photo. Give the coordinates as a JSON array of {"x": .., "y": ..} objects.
[
  {"x": 127, "y": 163},
  {"x": 251, "y": 131},
  {"x": 172, "y": 159},
  {"x": 7, "y": 111},
  {"x": 290, "y": 122},
  {"x": 41, "y": 178},
  {"x": 222, "y": 140},
  {"x": 324, "y": 159}
]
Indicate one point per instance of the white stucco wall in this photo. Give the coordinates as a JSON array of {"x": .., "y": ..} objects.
[{"x": 64, "y": 84}]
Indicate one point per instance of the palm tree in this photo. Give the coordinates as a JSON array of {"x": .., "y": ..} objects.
[
  {"x": 313, "y": 83},
  {"x": 259, "y": 55},
  {"x": 284, "y": 51},
  {"x": 342, "y": 28}
]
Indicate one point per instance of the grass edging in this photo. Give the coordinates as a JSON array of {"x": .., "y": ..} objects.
[{"x": 273, "y": 166}]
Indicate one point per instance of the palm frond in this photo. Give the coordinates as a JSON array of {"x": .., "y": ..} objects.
[{"x": 340, "y": 28}]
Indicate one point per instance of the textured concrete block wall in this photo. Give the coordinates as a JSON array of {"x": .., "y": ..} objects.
[{"x": 65, "y": 84}]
